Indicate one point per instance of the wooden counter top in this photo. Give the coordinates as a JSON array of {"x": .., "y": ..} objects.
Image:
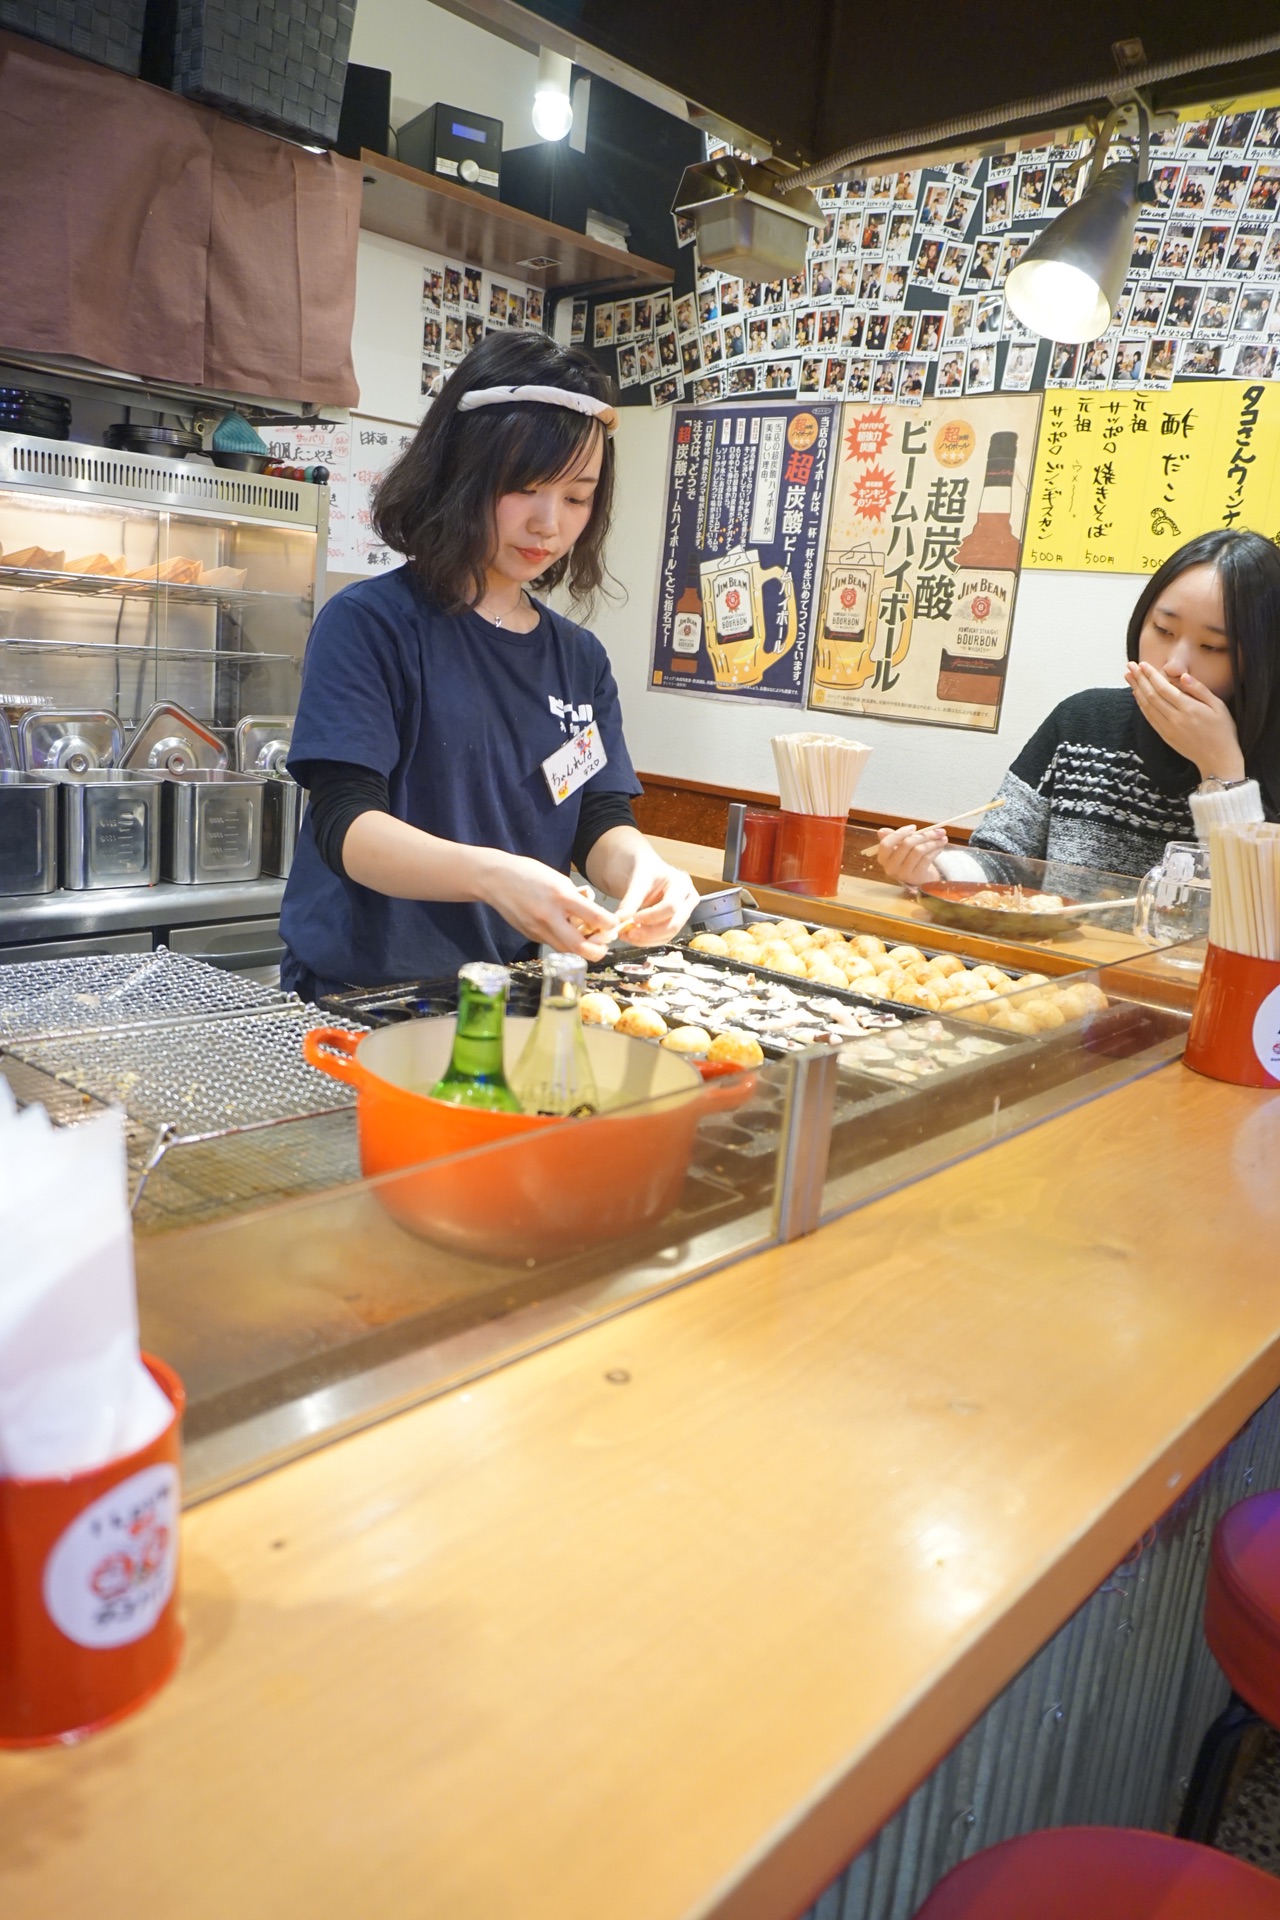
[{"x": 665, "y": 1620}]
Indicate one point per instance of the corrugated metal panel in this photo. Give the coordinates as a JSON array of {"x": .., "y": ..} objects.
[{"x": 1101, "y": 1727}]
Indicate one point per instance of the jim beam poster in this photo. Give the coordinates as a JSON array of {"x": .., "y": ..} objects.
[
  {"x": 741, "y": 559},
  {"x": 915, "y": 605}
]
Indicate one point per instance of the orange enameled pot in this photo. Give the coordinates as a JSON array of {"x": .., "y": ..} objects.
[{"x": 521, "y": 1186}]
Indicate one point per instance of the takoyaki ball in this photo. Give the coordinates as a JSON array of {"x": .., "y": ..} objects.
[
  {"x": 687, "y": 1040},
  {"x": 708, "y": 943},
  {"x": 1010, "y": 1019},
  {"x": 783, "y": 929},
  {"x": 1043, "y": 1012},
  {"x": 826, "y": 972},
  {"x": 854, "y": 968},
  {"x": 642, "y": 1023},
  {"x": 891, "y": 980},
  {"x": 736, "y": 1050},
  {"x": 1034, "y": 980},
  {"x": 867, "y": 945},
  {"x": 599, "y": 1010},
  {"x": 828, "y": 937},
  {"x": 800, "y": 942},
  {"x": 947, "y": 963},
  {"x": 904, "y": 956}
]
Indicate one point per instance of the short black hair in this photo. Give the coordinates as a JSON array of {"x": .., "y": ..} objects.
[
  {"x": 1248, "y": 567},
  {"x": 436, "y": 504}
]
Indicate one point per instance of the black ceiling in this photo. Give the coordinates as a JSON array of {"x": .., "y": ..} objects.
[{"x": 819, "y": 75}]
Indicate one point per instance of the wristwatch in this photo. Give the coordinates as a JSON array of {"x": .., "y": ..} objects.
[{"x": 1212, "y": 784}]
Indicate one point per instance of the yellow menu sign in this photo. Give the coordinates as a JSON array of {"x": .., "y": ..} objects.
[{"x": 1123, "y": 479}]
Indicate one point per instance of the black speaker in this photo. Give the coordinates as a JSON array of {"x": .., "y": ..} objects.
[{"x": 366, "y": 111}]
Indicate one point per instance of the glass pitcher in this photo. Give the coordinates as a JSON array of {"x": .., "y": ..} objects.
[{"x": 1173, "y": 901}]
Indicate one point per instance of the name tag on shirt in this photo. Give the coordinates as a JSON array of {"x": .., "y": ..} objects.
[{"x": 571, "y": 765}]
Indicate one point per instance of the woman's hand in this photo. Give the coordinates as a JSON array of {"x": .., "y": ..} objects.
[
  {"x": 545, "y": 906},
  {"x": 657, "y": 901},
  {"x": 1190, "y": 719},
  {"x": 907, "y": 854}
]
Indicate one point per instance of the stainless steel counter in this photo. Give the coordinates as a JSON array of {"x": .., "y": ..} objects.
[{"x": 27, "y": 918}]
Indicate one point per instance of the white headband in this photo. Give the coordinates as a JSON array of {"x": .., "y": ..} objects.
[{"x": 547, "y": 397}]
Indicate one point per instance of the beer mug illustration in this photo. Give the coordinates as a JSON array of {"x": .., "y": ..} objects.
[
  {"x": 850, "y": 619},
  {"x": 733, "y": 602}
]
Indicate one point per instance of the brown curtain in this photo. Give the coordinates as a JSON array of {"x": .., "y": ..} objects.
[{"x": 144, "y": 233}]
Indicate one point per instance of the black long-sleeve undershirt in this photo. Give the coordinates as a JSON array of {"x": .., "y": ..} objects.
[{"x": 341, "y": 791}]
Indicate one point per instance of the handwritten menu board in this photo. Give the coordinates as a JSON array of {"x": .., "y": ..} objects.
[
  {"x": 376, "y": 445},
  {"x": 315, "y": 443},
  {"x": 1122, "y": 480}
]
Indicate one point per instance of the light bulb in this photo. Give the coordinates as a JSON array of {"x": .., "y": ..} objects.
[
  {"x": 552, "y": 105},
  {"x": 1060, "y": 302}
]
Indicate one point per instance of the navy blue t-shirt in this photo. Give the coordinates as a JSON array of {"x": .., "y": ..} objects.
[{"x": 459, "y": 715}]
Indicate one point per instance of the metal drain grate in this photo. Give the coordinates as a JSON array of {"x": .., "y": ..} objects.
[{"x": 39, "y": 998}]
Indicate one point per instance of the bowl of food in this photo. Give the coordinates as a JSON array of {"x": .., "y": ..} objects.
[{"x": 1000, "y": 912}]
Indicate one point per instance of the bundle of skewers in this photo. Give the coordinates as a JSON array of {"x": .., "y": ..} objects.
[
  {"x": 817, "y": 772},
  {"x": 1244, "y": 904}
]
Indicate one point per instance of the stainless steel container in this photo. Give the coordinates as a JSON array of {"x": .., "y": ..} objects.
[
  {"x": 69, "y": 742},
  {"x": 282, "y": 803},
  {"x": 170, "y": 740},
  {"x": 110, "y": 828},
  {"x": 28, "y": 833},
  {"x": 212, "y": 826}
]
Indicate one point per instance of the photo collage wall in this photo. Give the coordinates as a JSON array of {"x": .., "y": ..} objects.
[
  {"x": 903, "y": 293},
  {"x": 460, "y": 305}
]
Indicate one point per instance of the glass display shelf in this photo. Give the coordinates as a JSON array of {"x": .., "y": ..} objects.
[
  {"x": 109, "y": 587},
  {"x": 154, "y": 650}
]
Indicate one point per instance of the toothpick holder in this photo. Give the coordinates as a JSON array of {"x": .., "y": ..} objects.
[{"x": 1235, "y": 1027}]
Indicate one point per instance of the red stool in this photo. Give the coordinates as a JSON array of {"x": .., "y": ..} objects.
[
  {"x": 1102, "y": 1873},
  {"x": 1242, "y": 1626}
]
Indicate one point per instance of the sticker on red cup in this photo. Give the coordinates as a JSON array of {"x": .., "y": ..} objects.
[
  {"x": 111, "y": 1573},
  {"x": 1266, "y": 1034}
]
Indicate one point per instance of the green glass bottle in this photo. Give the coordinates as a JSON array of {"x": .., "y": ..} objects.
[
  {"x": 553, "y": 1075},
  {"x": 475, "y": 1076}
]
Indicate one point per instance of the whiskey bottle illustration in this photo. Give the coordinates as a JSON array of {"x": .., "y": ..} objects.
[
  {"x": 975, "y": 658},
  {"x": 686, "y": 627}
]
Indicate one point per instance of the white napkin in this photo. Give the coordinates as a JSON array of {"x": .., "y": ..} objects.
[{"x": 74, "y": 1393}]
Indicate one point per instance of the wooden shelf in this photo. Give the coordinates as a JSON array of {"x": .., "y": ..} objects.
[{"x": 405, "y": 204}]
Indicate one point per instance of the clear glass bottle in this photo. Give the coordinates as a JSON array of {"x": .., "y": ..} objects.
[
  {"x": 476, "y": 1076},
  {"x": 553, "y": 1074}
]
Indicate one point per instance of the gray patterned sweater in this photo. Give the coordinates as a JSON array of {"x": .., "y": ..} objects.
[{"x": 1095, "y": 786}]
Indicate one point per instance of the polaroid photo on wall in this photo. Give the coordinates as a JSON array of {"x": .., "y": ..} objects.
[
  {"x": 853, "y": 325},
  {"x": 834, "y": 377},
  {"x": 686, "y": 315},
  {"x": 1162, "y": 363},
  {"x": 954, "y": 264},
  {"x": 515, "y": 308},
  {"x": 902, "y": 334},
  {"x": 1002, "y": 166},
  {"x": 1094, "y": 368},
  {"x": 712, "y": 348},
  {"x": 828, "y": 327},
  {"x": 690, "y": 354},
  {"x": 471, "y": 287},
  {"x": 498, "y": 310},
  {"x": 934, "y": 202},
  {"x": 1254, "y": 360},
  {"x": 1254, "y": 310},
  {"x": 822, "y": 276},
  {"x": 846, "y": 287},
  {"x": 1147, "y": 310},
  {"x": 1197, "y": 136},
  {"x": 758, "y": 336},
  {"x": 959, "y": 321},
  {"x": 533, "y": 307},
  {"x": 741, "y": 379},
  {"x": 452, "y": 295},
  {"x": 578, "y": 324},
  {"x": 1209, "y": 256},
  {"x": 432, "y": 336},
  {"x": 951, "y": 370},
  {"x": 1019, "y": 366},
  {"x": 432, "y": 286},
  {"x": 1174, "y": 256},
  {"x": 1235, "y": 133},
  {"x": 1164, "y": 139},
  {"x": 624, "y": 322},
  {"x": 960, "y": 212},
  {"x": 709, "y": 305},
  {"x": 1200, "y": 359},
  {"x": 1266, "y": 132},
  {"x": 1012, "y": 248},
  {"x": 1146, "y": 245},
  {"x": 706, "y": 390},
  {"x": 1269, "y": 265},
  {"x": 1119, "y": 320},
  {"x": 454, "y": 342},
  {"x": 855, "y": 186},
  {"x": 997, "y": 206},
  {"x": 665, "y": 393},
  {"x": 980, "y": 376},
  {"x": 893, "y": 287},
  {"x": 880, "y": 186},
  {"x": 858, "y": 380},
  {"x": 1166, "y": 182},
  {"x": 1182, "y": 312},
  {"x": 1195, "y": 195},
  {"x": 924, "y": 268},
  {"x": 1229, "y": 195},
  {"x": 804, "y": 328},
  {"x": 1247, "y": 246},
  {"x": 733, "y": 338},
  {"x": 1264, "y": 192},
  {"x": 911, "y": 382},
  {"x": 1130, "y": 363},
  {"x": 472, "y": 330},
  {"x": 875, "y": 225},
  {"x": 730, "y": 297},
  {"x": 686, "y": 229},
  {"x": 781, "y": 338},
  {"x": 884, "y": 381},
  {"x": 1063, "y": 190},
  {"x": 877, "y": 334},
  {"x": 898, "y": 237},
  {"x": 430, "y": 374},
  {"x": 628, "y": 367},
  {"x": 647, "y": 355},
  {"x": 929, "y": 338},
  {"x": 985, "y": 263},
  {"x": 1033, "y": 183},
  {"x": 1217, "y": 308},
  {"x": 849, "y": 230},
  {"x": 906, "y": 185},
  {"x": 778, "y": 376},
  {"x": 642, "y": 317},
  {"x": 812, "y": 369},
  {"x": 1064, "y": 360},
  {"x": 988, "y": 316}
]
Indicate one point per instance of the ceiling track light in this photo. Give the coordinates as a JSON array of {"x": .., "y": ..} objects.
[
  {"x": 748, "y": 218},
  {"x": 1067, "y": 283},
  {"x": 552, "y": 101}
]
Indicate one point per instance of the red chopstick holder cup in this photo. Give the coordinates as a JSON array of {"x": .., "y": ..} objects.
[
  {"x": 759, "y": 845},
  {"x": 1235, "y": 1025},
  {"x": 810, "y": 852},
  {"x": 89, "y": 1626}
]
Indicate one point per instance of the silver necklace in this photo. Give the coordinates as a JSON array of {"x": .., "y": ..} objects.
[{"x": 497, "y": 619}]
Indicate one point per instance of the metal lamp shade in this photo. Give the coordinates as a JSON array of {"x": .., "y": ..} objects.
[{"x": 1067, "y": 283}]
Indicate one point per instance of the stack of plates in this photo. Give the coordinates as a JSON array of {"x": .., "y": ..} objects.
[{"x": 27, "y": 410}]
